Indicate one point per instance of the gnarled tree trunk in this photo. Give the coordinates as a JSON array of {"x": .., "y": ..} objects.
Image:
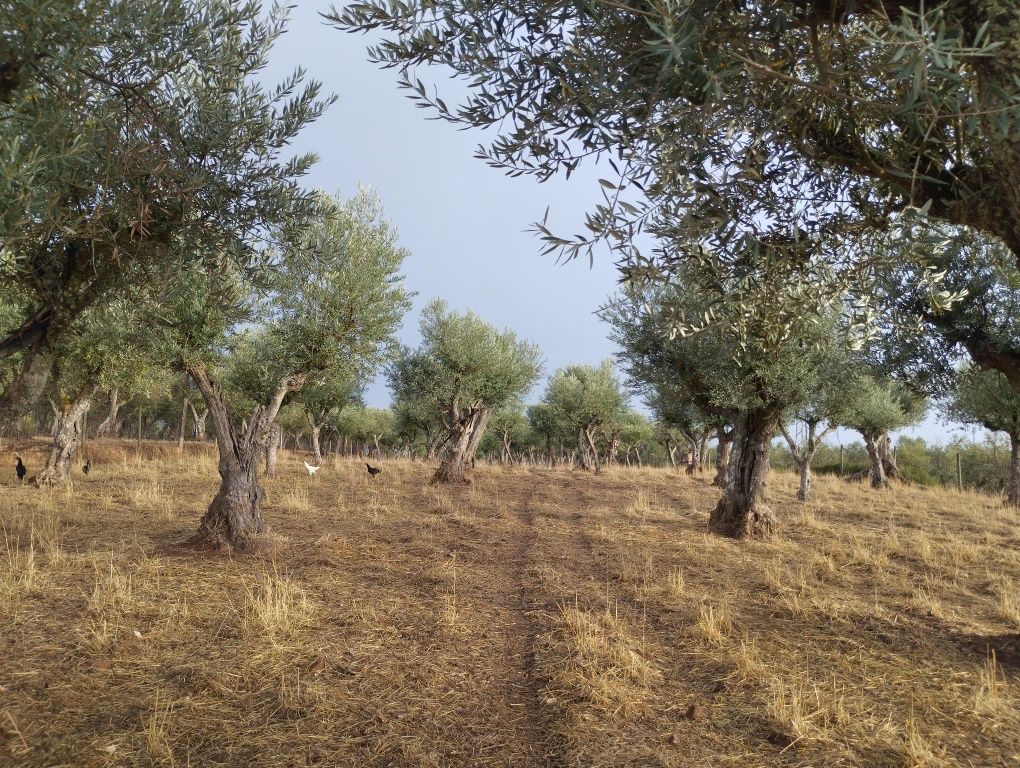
[
  {"x": 703, "y": 450},
  {"x": 316, "y": 450},
  {"x": 885, "y": 451},
  {"x": 872, "y": 441},
  {"x": 743, "y": 512},
  {"x": 272, "y": 448},
  {"x": 722, "y": 457},
  {"x": 68, "y": 432},
  {"x": 22, "y": 394},
  {"x": 587, "y": 451},
  {"x": 234, "y": 518},
  {"x": 507, "y": 456},
  {"x": 184, "y": 426},
  {"x": 108, "y": 426},
  {"x": 466, "y": 433},
  {"x": 613, "y": 448},
  {"x": 804, "y": 454},
  {"x": 1013, "y": 494},
  {"x": 199, "y": 419}
]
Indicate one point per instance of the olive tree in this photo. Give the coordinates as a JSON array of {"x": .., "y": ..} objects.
[
  {"x": 874, "y": 406},
  {"x": 583, "y": 399},
  {"x": 987, "y": 398},
  {"x": 322, "y": 400},
  {"x": 335, "y": 299},
  {"x": 544, "y": 425},
  {"x": 820, "y": 414},
  {"x": 510, "y": 426},
  {"x": 138, "y": 139},
  {"x": 749, "y": 359},
  {"x": 367, "y": 426},
  {"x": 636, "y": 432},
  {"x": 464, "y": 370},
  {"x": 102, "y": 348}
]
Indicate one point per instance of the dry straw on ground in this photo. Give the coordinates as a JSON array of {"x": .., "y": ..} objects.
[{"x": 538, "y": 618}]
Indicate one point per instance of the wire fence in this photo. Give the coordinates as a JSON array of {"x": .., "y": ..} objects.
[{"x": 979, "y": 466}]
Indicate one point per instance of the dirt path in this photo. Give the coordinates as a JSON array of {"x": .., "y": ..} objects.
[{"x": 500, "y": 590}]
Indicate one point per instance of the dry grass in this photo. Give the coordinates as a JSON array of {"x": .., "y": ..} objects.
[{"x": 537, "y": 618}]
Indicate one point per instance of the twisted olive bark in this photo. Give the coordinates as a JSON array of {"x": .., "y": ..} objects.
[
  {"x": 743, "y": 512},
  {"x": 461, "y": 447},
  {"x": 1013, "y": 494},
  {"x": 108, "y": 426},
  {"x": 234, "y": 518},
  {"x": 67, "y": 436}
]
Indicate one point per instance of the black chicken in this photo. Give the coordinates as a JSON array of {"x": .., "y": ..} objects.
[
  {"x": 86, "y": 466},
  {"x": 19, "y": 468},
  {"x": 373, "y": 471}
]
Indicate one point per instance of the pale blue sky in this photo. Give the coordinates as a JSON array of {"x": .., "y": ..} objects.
[{"x": 463, "y": 222}]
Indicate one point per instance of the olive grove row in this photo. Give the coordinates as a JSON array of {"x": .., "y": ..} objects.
[{"x": 832, "y": 192}]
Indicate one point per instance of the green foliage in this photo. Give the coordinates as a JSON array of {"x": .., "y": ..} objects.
[
  {"x": 107, "y": 347},
  {"x": 985, "y": 464},
  {"x": 582, "y": 397},
  {"x": 872, "y": 405},
  {"x": 720, "y": 123},
  {"x": 335, "y": 298},
  {"x": 543, "y": 423},
  {"x": 136, "y": 141},
  {"x": 364, "y": 425},
  {"x": 292, "y": 419},
  {"x": 463, "y": 362},
  {"x": 738, "y": 358},
  {"x": 986, "y": 398},
  {"x": 323, "y": 398},
  {"x": 636, "y": 430},
  {"x": 510, "y": 424}
]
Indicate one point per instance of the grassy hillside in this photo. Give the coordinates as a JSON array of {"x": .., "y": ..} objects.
[{"x": 537, "y": 618}]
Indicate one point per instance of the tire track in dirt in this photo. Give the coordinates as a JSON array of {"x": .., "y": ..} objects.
[
  {"x": 505, "y": 592},
  {"x": 522, "y": 634}
]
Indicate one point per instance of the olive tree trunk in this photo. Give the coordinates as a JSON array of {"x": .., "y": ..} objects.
[
  {"x": 613, "y": 448},
  {"x": 272, "y": 448},
  {"x": 1013, "y": 494},
  {"x": 24, "y": 391},
  {"x": 68, "y": 432},
  {"x": 722, "y": 457},
  {"x": 108, "y": 426},
  {"x": 234, "y": 518},
  {"x": 507, "y": 456},
  {"x": 199, "y": 420},
  {"x": 803, "y": 454},
  {"x": 465, "y": 435},
  {"x": 184, "y": 426},
  {"x": 316, "y": 449},
  {"x": 743, "y": 512},
  {"x": 872, "y": 441},
  {"x": 587, "y": 451},
  {"x": 892, "y": 471}
]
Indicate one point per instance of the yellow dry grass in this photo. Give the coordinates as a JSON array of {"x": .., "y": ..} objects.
[{"x": 537, "y": 618}]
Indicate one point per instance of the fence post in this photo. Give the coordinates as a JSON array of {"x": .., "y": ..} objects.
[
  {"x": 139, "y": 426},
  {"x": 841, "y": 466},
  {"x": 959, "y": 472}
]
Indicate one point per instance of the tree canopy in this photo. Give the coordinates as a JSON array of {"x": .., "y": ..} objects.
[
  {"x": 137, "y": 140},
  {"x": 464, "y": 370},
  {"x": 722, "y": 121}
]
